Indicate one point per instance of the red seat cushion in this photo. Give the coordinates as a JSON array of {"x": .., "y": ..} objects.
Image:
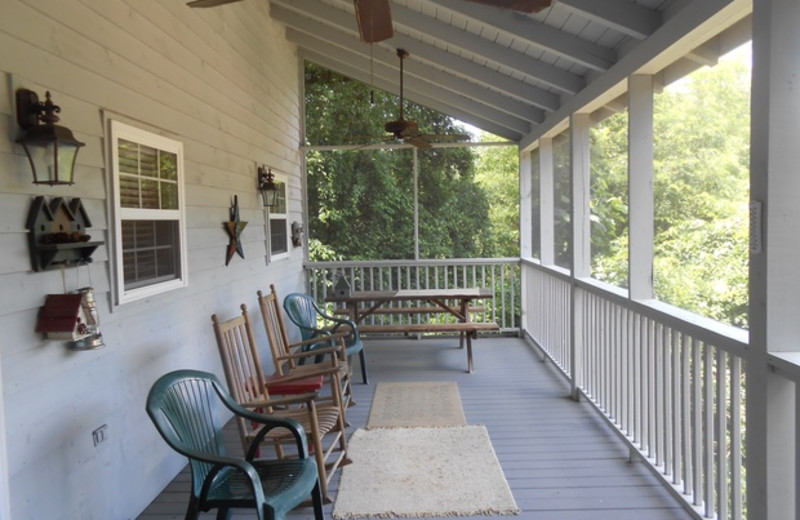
[{"x": 275, "y": 385}]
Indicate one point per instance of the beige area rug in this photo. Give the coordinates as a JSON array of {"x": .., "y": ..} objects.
[
  {"x": 416, "y": 404},
  {"x": 422, "y": 472}
]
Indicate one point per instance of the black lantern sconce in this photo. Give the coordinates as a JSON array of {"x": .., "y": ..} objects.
[
  {"x": 267, "y": 186},
  {"x": 51, "y": 149}
]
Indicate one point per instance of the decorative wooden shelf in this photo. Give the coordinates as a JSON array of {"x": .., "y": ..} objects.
[{"x": 57, "y": 234}]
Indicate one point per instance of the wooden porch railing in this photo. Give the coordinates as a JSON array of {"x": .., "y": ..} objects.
[
  {"x": 670, "y": 382},
  {"x": 500, "y": 275}
]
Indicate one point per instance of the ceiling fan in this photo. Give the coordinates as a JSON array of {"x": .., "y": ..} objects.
[
  {"x": 375, "y": 17},
  {"x": 407, "y": 131}
]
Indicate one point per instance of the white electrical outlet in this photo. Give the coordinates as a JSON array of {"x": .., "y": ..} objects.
[{"x": 99, "y": 434}]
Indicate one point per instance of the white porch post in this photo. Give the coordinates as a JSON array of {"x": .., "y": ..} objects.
[
  {"x": 525, "y": 206},
  {"x": 774, "y": 280},
  {"x": 546, "y": 202},
  {"x": 640, "y": 186},
  {"x": 525, "y": 231},
  {"x": 581, "y": 238}
]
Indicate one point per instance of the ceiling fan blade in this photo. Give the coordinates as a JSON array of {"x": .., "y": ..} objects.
[
  {"x": 419, "y": 142},
  {"x": 209, "y": 3},
  {"x": 524, "y": 6},
  {"x": 374, "y": 20}
]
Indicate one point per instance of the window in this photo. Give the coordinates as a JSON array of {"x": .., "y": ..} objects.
[
  {"x": 279, "y": 224},
  {"x": 150, "y": 243}
]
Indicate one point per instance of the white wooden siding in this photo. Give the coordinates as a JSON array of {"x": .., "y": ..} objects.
[{"x": 224, "y": 82}]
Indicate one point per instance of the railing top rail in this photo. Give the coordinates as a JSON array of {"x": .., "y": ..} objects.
[
  {"x": 727, "y": 337},
  {"x": 411, "y": 262}
]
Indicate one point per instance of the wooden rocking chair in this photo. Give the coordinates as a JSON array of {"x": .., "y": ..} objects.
[
  {"x": 299, "y": 358},
  {"x": 298, "y": 398}
]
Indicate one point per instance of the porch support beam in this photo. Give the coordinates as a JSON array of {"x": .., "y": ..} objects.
[
  {"x": 526, "y": 220},
  {"x": 640, "y": 187},
  {"x": 581, "y": 237},
  {"x": 774, "y": 282}
]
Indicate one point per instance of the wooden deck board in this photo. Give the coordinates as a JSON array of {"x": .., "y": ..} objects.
[{"x": 561, "y": 461}]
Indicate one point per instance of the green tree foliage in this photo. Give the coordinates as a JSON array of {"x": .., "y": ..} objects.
[
  {"x": 609, "y": 199},
  {"x": 702, "y": 157},
  {"x": 498, "y": 175},
  {"x": 702, "y": 127},
  {"x": 361, "y": 202}
]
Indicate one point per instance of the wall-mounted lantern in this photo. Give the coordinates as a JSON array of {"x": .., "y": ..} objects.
[
  {"x": 51, "y": 149},
  {"x": 267, "y": 186}
]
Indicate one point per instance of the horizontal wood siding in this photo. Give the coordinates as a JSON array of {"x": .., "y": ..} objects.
[{"x": 225, "y": 83}]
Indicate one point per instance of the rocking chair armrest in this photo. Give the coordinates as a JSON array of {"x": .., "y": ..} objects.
[
  {"x": 289, "y": 377},
  {"x": 278, "y": 401},
  {"x": 302, "y": 354}
]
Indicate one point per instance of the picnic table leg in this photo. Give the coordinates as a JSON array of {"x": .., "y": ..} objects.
[
  {"x": 465, "y": 314},
  {"x": 469, "y": 351}
]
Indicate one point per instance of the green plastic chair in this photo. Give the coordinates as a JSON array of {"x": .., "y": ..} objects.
[
  {"x": 188, "y": 408},
  {"x": 304, "y": 312}
]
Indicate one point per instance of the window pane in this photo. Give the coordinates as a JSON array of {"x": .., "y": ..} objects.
[
  {"x": 280, "y": 201},
  {"x": 278, "y": 239},
  {"x": 169, "y": 195},
  {"x": 148, "y": 158},
  {"x": 129, "y": 191},
  {"x": 150, "y": 251},
  {"x": 168, "y": 166},
  {"x": 150, "y": 194},
  {"x": 128, "y": 157}
]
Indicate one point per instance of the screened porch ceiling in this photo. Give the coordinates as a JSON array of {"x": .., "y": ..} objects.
[{"x": 516, "y": 75}]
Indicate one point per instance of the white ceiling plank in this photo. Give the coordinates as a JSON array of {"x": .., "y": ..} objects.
[
  {"x": 308, "y": 16},
  {"x": 539, "y": 34},
  {"x": 621, "y": 15},
  {"x": 531, "y": 67},
  {"x": 414, "y": 87},
  {"x": 422, "y": 70},
  {"x": 685, "y": 30},
  {"x": 390, "y": 86}
]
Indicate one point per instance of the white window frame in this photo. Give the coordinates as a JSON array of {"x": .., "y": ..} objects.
[
  {"x": 283, "y": 193},
  {"x": 118, "y": 131}
]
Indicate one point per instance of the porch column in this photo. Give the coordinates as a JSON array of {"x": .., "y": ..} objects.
[
  {"x": 546, "y": 202},
  {"x": 526, "y": 223},
  {"x": 526, "y": 220},
  {"x": 640, "y": 186},
  {"x": 774, "y": 279},
  {"x": 581, "y": 239}
]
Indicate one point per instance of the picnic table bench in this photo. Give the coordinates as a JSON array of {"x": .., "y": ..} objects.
[{"x": 361, "y": 304}]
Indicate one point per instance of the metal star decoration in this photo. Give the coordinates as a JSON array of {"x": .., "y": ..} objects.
[{"x": 234, "y": 227}]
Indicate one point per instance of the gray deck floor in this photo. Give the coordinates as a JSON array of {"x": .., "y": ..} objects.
[{"x": 561, "y": 461}]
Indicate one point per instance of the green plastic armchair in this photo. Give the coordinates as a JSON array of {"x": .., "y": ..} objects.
[
  {"x": 188, "y": 408},
  {"x": 304, "y": 312}
]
